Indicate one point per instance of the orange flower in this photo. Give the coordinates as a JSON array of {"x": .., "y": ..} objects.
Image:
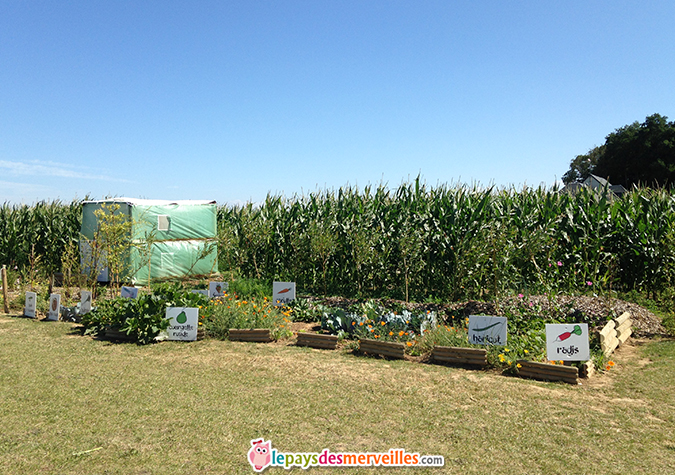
[
  {"x": 391, "y": 333},
  {"x": 409, "y": 343},
  {"x": 610, "y": 363},
  {"x": 361, "y": 324},
  {"x": 382, "y": 323}
]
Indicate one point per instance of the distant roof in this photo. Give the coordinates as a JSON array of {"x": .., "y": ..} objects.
[
  {"x": 139, "y": 201},
  {"x": 600, "y": 180},
  {"x": 619, "y": 189}
]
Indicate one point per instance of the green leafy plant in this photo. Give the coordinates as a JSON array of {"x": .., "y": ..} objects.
[{"x": 142, "y": 318}]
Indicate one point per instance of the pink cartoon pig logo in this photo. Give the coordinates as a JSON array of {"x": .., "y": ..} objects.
[{"x": 260, "y": 455}]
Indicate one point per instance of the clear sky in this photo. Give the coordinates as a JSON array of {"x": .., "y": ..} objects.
[{"x": 230, "y": 100}]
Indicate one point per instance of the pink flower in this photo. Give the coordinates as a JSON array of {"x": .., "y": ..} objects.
[
  {"x": 589, "y": 283},
  {"x": 559, "y": 264},
  {"x": 520, "y": 296}
]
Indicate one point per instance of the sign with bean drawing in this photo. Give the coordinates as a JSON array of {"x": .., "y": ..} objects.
[{"x": 485, "y": 330}]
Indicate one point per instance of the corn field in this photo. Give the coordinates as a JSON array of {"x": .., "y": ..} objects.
[
  {"x": 419, "y": 243},
  {"x": 38, "y": 234},
  {"x": 416, "y": 242}
]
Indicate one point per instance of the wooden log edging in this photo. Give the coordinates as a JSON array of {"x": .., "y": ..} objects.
[
  {"x": 259, "y": 335},
  {"x": 587, "y": 369},
  {"x": 615, "y": 333},
  {"x": 383, "y": 348},
  {"x": 458, "y": 355},
  {"x": 548, "y": 372},
  {"x": 317, "y": 340}
]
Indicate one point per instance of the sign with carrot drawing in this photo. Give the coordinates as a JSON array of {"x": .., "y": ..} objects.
[
  {"x": 567, "y": 342},
  {"x": 485, "y": 330},
  {"x": 283, "y": 293}
]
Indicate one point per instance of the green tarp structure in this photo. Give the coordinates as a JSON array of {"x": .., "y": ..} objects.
[{"x": 169, "y": 238}]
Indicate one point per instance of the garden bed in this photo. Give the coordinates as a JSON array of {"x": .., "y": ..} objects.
[
  {"x": 317, "y": 340},
  {"x": 458, "y": 355},
  {"x": 382, "y": 348},
  {"x": 258, "y": 335},
  {"x": 548, "y": 372}
]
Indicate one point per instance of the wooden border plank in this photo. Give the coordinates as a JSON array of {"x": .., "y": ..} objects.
[
  {"x": 258, "y": 335},
  {"x": 315, "y": 340}
]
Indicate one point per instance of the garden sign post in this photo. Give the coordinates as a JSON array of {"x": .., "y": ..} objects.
[
  {"x": 283, "y": 293},
  {"x": 217, "y": 289},
  {"x": 31, "y": 304},
  {"x": 54, "y": 307},
  {"x": 5, "y": 297},
  {"x": 567, "y": 342},
  {"x": 484, "y": 330},
  {"x": 183, "y": 322},
  {"x": 85, "y": 302},
  {"x": 128, "y": 292}
]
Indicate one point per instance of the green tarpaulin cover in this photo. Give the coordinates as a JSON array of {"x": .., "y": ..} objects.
[{"x": 170, "y": 238}]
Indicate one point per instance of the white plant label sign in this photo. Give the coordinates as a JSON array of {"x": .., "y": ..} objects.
[
  {"x": 85, "y": 302},
  {"x": 183, "y": 322},
  {"x": 567, "y": 342},
  {"x": 129, "y": 292},
  {"x": 283, "y": 293},
  {"x": 205, "y": 293},
  {"x": 217, "y": 289},
  {"x": 31, "y": 304},
  {"x": 485, "y": 330},
  {"x": 54, "y": 307}
]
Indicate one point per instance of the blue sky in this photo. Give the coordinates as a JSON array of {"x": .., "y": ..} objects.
[{"x": 230, "y": 100}]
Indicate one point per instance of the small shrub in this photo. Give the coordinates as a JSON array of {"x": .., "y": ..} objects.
[{"x": 229, "y": 312}]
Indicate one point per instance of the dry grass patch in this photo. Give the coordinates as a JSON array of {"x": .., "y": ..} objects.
[{"x": 192, "y": 408}]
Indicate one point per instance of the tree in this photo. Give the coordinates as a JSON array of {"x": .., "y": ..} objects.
[
  {"x": 636, "y": 154},
  {"x": 583, "y": 166}
]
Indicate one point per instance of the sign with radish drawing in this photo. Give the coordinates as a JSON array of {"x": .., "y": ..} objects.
[
  {"x": 283, "y": 293},
  {"x": 567, "y": 342},
  {"x": 485, "y": 330}
]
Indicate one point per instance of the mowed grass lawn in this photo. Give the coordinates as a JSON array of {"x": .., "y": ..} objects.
[{"x": 192, "y": 408}]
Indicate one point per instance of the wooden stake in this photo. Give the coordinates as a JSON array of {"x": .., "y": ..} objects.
[{"x": 5, "y": 296}]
